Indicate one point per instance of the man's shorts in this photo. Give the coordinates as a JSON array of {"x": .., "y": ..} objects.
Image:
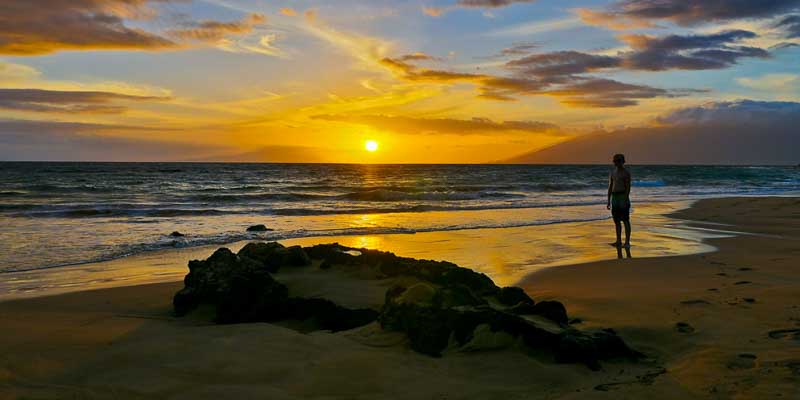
[{"x": 620, "y": 207}]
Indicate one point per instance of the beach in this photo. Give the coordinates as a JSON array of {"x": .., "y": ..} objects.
[{"x": 719, "y": 324}]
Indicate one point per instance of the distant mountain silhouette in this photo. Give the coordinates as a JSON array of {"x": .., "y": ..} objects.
[
  {"x": 744, "y": 132},
  {"x": 273, "y": 154}
]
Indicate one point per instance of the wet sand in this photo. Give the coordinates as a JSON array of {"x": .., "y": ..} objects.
[
  {"x": 724, "y": 324},
  {"x": 506, "y": 255}
]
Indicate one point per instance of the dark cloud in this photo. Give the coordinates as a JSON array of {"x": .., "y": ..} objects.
[
  {"x": 213, "y": 31},
  {"x": 490, "y": 3},
  {"x": 640, "y": 13},
  {"x": 791, "y": 25},
  {"x": 543, "y": 77},
  {"x": 57, "y": 101},
  {"x": 693, "y": 52},
  {"x": 411, "y": 125},
  {"x": 44, "y": 26},
  {"x": 34, "y": 27},
  {"x": 562, "y": 63},
  {"x": 734, "y": 112},
  {"x": 517, "y": 49},
  {"x": 606, "y": 93},
  {"x": 438, "y": 11}
]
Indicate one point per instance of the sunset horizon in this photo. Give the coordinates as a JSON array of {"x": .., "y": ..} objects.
[{"x": 471, "y": 82}]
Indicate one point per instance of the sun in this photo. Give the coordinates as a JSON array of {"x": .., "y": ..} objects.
[{"x": 371, "y": 146}]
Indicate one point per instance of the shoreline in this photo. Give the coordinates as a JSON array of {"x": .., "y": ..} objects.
[
  {"x": 507, "y": 254},
  {"x": 740, "y": 340}
]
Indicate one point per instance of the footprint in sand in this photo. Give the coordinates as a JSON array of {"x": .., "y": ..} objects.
[
  {"x": 684, "y": 327},
  {"x": 738, "y": 300},
  {"x": 743, "y": 361},
  {"x": 743, "y": 283},
  {"x": 745, "y": 269},
  {"x": 722, "y": 274},
  {"x": 694, "y": 302},
  {"x": 785, "y": 334}
]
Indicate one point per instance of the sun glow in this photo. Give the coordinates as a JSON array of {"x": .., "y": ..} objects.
[{"x": 371, "y": 146}]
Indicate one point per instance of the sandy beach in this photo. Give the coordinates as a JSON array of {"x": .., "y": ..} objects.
[{"x": 722, "y": 324}]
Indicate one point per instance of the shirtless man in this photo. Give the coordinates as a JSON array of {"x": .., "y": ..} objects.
[{"x": 619, "y": 202}]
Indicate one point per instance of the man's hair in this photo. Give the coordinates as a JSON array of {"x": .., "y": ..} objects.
[{"x": 620, "y": 157}]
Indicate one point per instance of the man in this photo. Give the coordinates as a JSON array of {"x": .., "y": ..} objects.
[{"x": 619, "y": 190}]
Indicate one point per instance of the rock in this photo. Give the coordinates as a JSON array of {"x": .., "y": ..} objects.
[
  {"x": 523, "y": 309},
  {"x": 327, "y": 315},
  {"x": 271, "y": 255},
  {"x": 258, "y": 228},
  {"x": 297, "y": 257},
  {"x": 389, "y": 265},
  {"x": 176, "y": 234},
  {"x": 552, "y": 310},
  {"x": 575, "y": 346},
  {"x": 439, "y": 305},
  {"x": 435, "y": 318},
  {"x": 240, "y": 287},
  {"x": 484, "y": 338},
  {"x": 252, "y": 295},
  {"x": 456, "y": 296},
  {"x": 512, "y": 296}
]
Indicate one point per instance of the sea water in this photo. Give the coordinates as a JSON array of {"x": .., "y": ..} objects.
[{"x": 61, "y": 214}]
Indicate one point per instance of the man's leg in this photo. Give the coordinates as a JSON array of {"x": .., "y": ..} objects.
[
  {"x": 618, "y": 227},
  {"x": 627, "y": 232}
]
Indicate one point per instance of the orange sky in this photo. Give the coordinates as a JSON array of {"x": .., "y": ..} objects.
[{"x": 432, "y": 81}]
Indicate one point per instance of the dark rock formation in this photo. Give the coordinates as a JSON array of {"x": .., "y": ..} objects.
[
  {"x": 551, "y": 310},
  {"x": 176, "y": 234},
  {"x": 258, "y": 228},
  {"x": 437, "y": 304},
  {"x": 327, "y": 315},
  {"x": 273, "y": 255},
  {"x": 240, "y": 287},
  {"x": 432, "y": 325},
  {"x": 512, "y": 296}
]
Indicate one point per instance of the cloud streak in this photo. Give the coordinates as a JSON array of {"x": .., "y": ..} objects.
[
  {"x": 628, "y": 14},
  {"x": 439, "y": 11},
  {"x": 414, "y": 125},
  {"x": 210, "y": 31},
  {"x": 67, "y": 102}
]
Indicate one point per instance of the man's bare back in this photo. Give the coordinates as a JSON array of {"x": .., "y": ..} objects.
[{"x": 620, "y": 180}]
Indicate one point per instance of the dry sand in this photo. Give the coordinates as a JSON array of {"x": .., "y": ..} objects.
[{"x": 742, "y": 339}]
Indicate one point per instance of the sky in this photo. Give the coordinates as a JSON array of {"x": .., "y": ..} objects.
[{"x": 431, "y": 81}]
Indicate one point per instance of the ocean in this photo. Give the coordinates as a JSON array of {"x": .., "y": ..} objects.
[{"x": 57, "y": 214}]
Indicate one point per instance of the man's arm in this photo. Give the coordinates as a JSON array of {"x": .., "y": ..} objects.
[{"x": 610, "y": 187}]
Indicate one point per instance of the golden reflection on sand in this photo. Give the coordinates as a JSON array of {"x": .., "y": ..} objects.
[{"x": 505, "y": 254}]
